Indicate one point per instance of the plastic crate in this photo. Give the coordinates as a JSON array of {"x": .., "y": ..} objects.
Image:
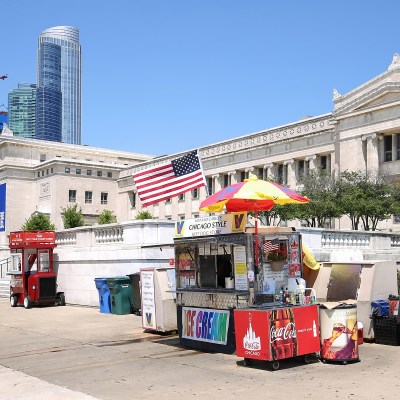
[
  {"x": 387, "y": 330},
  {"x": 380, "y": 308}
]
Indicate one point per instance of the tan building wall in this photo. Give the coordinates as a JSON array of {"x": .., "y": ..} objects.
[
  {"x": 40, "y": 174},
  {"x": 354, "y": 136}
]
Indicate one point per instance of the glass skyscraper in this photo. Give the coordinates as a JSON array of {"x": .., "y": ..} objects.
[
  {"x": 21, "y": 110},
  {"x": 59, "y": 85}
]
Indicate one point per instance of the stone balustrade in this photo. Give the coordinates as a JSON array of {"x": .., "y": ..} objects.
[{"x": 338, "y": 239}]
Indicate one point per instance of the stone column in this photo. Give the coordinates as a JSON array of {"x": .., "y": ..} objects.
[
  {"x": 232, "y": 177},
  {"x": 268, "y": 172},
  {"x": 394, "y": 147},
  {"x": 291, "y": 173},
  {"x": 248, "y": 171},
  {"x": 216, "y": 183},
  {"x": 312, "y": 162},
  {"x": 372, "y": 162}
]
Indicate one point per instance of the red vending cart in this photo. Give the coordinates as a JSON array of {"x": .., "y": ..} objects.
[
  {"x": 276, "y": 333},
  {"x": 33, "y": 279}
]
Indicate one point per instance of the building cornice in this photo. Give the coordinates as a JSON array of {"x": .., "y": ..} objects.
[{"x": 244, "y": 143}]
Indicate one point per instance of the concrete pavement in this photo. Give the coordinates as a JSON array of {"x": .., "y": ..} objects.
[{"x": 77, "y": 353}]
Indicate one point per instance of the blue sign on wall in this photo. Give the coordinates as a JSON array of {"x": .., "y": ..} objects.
[{"x": 2, "y": 207}]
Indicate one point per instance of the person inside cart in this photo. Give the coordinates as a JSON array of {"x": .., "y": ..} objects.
[
  {"x": 347, "y": 352},
  {"x": 224, "y": 269}
]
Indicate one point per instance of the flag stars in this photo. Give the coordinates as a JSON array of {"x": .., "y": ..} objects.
[{"x": 186, "y": 164}]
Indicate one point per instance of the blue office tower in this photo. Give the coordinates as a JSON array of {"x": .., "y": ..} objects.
[
  {"x": 59, "y": 85},
  {"x": 48, "y": 94},
  {"x": 3, "y": 119}
]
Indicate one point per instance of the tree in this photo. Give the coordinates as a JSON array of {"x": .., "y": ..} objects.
[
  {"x": 38, "y": 222},
  {"x": 368, "y": 197},
  {"x": 277, "y": 214},
  {"x": 72, "y": 217},
  {"x": 144, "y": 215},
  {"x": 322, "y": 189},
  {"x": 106, "y": 217}
]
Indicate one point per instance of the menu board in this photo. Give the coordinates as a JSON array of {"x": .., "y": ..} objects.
[
  {"x": 239, "y": 256},
  {"x": 148, "y": 300}
]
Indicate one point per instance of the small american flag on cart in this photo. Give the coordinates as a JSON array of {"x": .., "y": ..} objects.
[
  {"x": 165, "y": 181},
  {"x": 270, "y": 245}
]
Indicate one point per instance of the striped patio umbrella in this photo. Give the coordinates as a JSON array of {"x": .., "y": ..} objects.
[{"x": 251, "y": 195}]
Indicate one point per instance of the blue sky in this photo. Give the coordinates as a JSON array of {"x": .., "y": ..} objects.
[{"x": 165, "y": 76}]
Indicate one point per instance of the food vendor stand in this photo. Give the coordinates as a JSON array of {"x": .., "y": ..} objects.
[
  {"x": 33, "y": 280},
  {"x": 216, "y": 274}
]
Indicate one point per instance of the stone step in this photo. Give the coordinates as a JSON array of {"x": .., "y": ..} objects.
[{"x": 4, "y": 288}]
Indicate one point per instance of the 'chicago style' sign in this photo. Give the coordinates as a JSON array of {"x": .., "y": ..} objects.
[{"x": 214, "y": 225}]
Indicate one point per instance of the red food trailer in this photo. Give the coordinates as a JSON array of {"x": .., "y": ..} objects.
[{"x": 33, "y": 280}]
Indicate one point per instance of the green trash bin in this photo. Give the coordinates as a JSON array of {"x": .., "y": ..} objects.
[{"x": 120, "y": 294}]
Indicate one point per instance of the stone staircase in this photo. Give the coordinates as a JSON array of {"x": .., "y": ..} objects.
[
  {"x": 4, "y": 287},
  {"x": 4, "y": 278}
]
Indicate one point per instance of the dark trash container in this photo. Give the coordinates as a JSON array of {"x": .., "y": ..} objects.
[
  {"x": 104, "y": 295},
  {"x": 135, "y": 283},
  {"x": 121, "y": 294},
  {"x": 339, "y": 333}
]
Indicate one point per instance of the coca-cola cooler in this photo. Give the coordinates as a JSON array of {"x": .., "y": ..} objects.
[{"x": 273, "y": 334}]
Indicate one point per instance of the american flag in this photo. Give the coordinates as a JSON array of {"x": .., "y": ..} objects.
[
  {"x": 270, "y": 245},
  {"x": 163, "y": 182}
]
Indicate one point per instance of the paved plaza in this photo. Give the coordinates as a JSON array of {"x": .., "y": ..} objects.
[{"x": 77, "y": 353}]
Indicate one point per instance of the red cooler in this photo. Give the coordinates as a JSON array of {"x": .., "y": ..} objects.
[{"x": 273, "y": 334}]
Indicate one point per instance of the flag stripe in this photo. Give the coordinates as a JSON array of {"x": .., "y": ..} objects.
[
  {"x": 167, "y": 196},
  {"x": 166, "y": 170},
  {"x": 270, "y": 245},
  {"x": 163, "y": 182}
]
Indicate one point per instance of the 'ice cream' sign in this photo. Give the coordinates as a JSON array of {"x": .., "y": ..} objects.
[{"x": 206, "y": 325}]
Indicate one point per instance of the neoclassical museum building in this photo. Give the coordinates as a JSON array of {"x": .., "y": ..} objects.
[{"x": 360, "y": 133}]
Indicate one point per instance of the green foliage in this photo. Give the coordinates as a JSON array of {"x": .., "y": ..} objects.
[
  {"x": 38, "y": 222},
  {"x": 368, "y": 198},
  {"x": 144, "y": 215},
  {"x": 322, "y": 190},
  {"x": 72, "y": 217},
  {"x": 106, "y": 217}
]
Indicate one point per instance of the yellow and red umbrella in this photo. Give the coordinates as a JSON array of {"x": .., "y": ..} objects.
[{"x": 251, "y": 195}]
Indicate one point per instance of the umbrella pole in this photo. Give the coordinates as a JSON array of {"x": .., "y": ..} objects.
[{"x": 256, "y": 241}]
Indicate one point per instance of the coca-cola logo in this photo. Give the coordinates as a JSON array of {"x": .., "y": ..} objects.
[{"x": 282, "y": 333}]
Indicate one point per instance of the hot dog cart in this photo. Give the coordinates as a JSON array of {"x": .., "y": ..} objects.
[
  {"x": 33, "y": 280},
  {"x": 216, "y": 274}
]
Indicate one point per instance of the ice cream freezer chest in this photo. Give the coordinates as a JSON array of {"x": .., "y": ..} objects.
[{"x": 273, "y": 334}]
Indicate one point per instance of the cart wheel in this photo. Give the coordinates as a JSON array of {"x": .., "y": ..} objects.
[
  {"x": 247, "y": 362},
  {"x": 13, "y": 300},
  {"x": 27, "y": 302},
  {"x": 275, "y": 365},
  {"x": 61, "y": 299},
  {"x": 307, "y": 358}
]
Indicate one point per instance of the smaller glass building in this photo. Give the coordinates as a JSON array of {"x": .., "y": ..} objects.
[{"x": 21, "y": 109}]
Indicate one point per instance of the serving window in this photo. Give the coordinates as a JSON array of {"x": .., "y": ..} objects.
[{"x": 208, "y": 264}]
